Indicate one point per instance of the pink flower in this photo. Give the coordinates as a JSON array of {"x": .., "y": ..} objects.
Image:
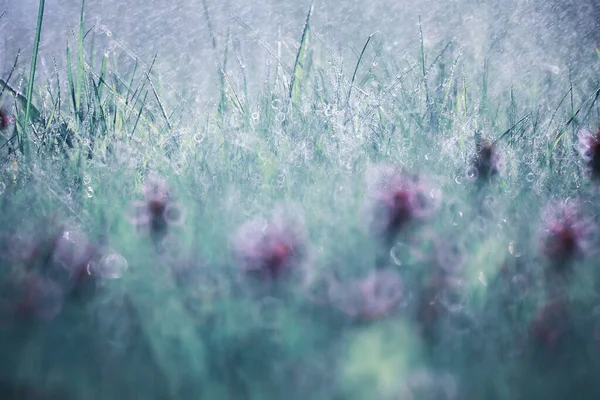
[
  {"x": 589, "y": 148},
  {"x": 398, "y": 199},
  {"x": 157, "y": 211},
  {"x": 567, "y": 234},
  {"x": 5, "y": 119},
  {"x": 372, "y": 297},
  {"x": 486, "y": 161},
  {"x": 38, "y": 297},
  {"x": 71, "y": 257},
  {"x": 272, "y": 247}
]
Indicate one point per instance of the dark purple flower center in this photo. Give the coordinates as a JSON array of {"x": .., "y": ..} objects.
[{"x": 277, "y": 255}]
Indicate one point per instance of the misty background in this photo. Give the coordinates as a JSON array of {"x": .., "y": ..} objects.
[{"x": 520, "y": 39}]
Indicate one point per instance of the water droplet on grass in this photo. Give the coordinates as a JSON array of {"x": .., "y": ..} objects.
[
  {"x": 89, "y": 192},
  {"x": 198, "y": 137},
  {"x": 472, "y": 174},
  {"x": 530, "y": 177}
]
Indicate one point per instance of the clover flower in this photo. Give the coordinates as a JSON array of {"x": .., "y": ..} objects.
[
  {"x": 369, "y": 298},
  {"x": 589, "y": 148},
  {"x": 6, "y": 119},
  {"x": 567, "y": 235},
  {"x": 38, "y": 297},
  {"x": 270, "y": 248},
  {"x": 157, "y": 211},
  {"x": 486, "y": 160},
  {"x": 397, "y": 199}
]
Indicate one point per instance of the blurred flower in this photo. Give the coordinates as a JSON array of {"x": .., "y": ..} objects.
[
  {"x": 397, "y": 199},
  {"x": 550, "y": 324},
  {"x": 486, "y": 161},
  {"x": 5, "y": 119},
  {"x": 589, "y": 148},
  {"x": 38, "y": 297},
  {"x": 369, "y": 298},
  {"x": 271, "y": 247},
  {"x": 157, "y": 211},
  {"x": 567, "y": 234},
  {"x": 58, "y": 258},
  {"x": 71, "y": 257}
]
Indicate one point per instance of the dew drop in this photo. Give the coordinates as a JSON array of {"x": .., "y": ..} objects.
[
  {"x": 89, "y": 192},
  {"x": 530, "y": 177},
  {"x": 198, "y": 137},
  {"x": 513, "y": 248},
  {"x": 472, "y": 173}
]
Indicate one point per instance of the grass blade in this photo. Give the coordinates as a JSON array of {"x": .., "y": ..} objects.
[
  {"x": 70, "y": 80},
  {"x": 80, "y": 63},
  {"x": 12, "y": 70},
  {"x": 362, "y": 53},
  {"x": 36, "y": 45},
  {"x": 298, "y": 66}
]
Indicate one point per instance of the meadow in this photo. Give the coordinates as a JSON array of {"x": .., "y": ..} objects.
[{"x": 369, "y": 227}]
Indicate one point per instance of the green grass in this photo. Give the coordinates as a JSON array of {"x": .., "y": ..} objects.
[{"x": 308, "y": 138}]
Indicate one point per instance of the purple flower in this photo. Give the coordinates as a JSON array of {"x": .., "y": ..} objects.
[
  {"x": 567, "y": 234},
  {"x": 589, "y": 148},
  {"x": 5, "y": 119},
  {"x": 372, "y": 297},
  {"x": 486, "y": 161},
  {"x": 270, "y": 248},
  {"x": 157, "y": 211},
  {"x": 38, "y": 297},
  {"x": 398, "y": 199}
]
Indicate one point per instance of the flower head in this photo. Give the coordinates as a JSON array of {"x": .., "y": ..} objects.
[
  {"x": 272, "y": 247},
  {"x": 369, "y": 298},
  {"x": 567, "y": 234},
  {"x": 589, "y": 148},
  {"x": 5, "y": 119},
  {"x": 486, "y": 160},
  {"x": 398, "y": 199},
  {"x": 38, "y": 297},
  {"x": 157, "y": 211}
]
